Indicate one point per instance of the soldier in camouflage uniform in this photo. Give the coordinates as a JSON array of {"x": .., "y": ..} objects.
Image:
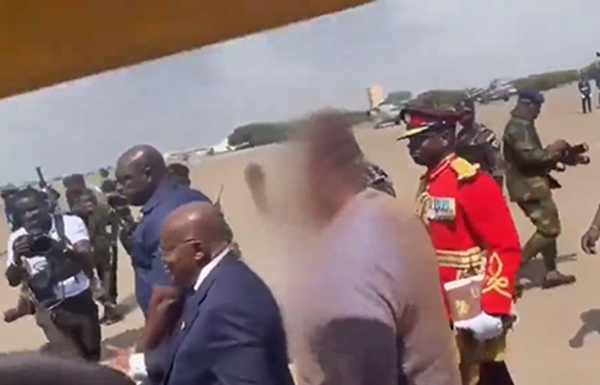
[
  {"x": 103, "y": 228},
  {"x": 528, "y": 165},
  {"x": 118, "y": 203},
  {"x": 74, "y": 185},
  {"x": 478, "y": 144}
]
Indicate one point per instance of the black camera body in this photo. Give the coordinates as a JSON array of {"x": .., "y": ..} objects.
[
  {"x": 573, "y": 156},
  {"x": 40, "y": 244}
]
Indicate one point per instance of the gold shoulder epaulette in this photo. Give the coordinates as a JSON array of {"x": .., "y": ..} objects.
[{"x": 464, "y": 169}]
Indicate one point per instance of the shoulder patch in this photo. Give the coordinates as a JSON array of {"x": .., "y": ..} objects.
[{"x": 464, "y": 169}]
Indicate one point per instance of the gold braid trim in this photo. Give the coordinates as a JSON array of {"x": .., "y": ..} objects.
[
  {"x": 422, "y": 204},
  {"x": 473, "y": 258},
  {"x": 495, "y": 280}
]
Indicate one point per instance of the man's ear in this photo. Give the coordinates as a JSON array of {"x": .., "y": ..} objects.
[
  {"x": 147, "y": 173},
  {"x": 198, "y": 249},
  {"x": 445, "y": 138}
]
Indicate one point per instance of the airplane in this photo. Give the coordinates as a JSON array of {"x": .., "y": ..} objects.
[
  {"x": 385, "y": 109},
  {"x": 498, "y": 89}
]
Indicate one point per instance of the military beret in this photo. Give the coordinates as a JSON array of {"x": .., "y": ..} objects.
[{"x": 531, "y": 96}]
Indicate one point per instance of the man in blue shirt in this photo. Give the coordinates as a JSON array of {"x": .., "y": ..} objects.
[{"x": 144, "y": 175}]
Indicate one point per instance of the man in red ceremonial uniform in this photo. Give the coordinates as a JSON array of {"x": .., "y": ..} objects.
[{"x": 473, "y": 233}]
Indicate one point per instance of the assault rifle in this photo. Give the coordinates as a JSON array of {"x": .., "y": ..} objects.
[{"x": 51, "y": 194}]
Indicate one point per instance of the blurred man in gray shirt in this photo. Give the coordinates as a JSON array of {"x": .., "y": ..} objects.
[{"x": 365, "y": 306}]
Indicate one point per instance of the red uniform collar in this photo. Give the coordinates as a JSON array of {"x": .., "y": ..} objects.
[{"x": 441, "y": 167}]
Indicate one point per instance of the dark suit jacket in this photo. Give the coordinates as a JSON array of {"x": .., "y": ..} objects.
[{"x": 232, "y": 332}]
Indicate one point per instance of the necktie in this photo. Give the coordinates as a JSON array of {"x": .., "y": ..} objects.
[{"x": 188, "y": 306}]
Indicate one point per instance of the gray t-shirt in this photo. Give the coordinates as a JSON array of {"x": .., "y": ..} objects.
[{"x": 368, "y": 307}]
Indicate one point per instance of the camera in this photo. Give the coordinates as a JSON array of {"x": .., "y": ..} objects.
[
  {"x": 40, "y": 244},
  {"x": 573, "y": 156}
]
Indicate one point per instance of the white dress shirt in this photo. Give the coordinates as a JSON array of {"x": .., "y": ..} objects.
[{"x": 209, "y": 267}]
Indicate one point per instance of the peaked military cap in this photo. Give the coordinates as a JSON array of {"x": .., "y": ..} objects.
[{"x": 419, "y": 120}]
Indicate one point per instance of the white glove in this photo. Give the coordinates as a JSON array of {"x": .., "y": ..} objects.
[
  {"x": 137, "y": 368},
  {"x": 483, "y": 326}
]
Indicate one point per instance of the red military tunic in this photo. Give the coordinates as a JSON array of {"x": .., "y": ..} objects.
[{"x": 471, "y": 230}]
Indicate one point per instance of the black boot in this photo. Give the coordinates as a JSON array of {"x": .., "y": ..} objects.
[
  {"x": 556, "y": 278},
  {"x": 495, "y": 373},
  {"x": 553, "y": 277},
  {"x": 111, "y": 315}
]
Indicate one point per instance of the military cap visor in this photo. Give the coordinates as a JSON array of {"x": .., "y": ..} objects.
[
  {"x": 418, "y": 124},
  {"x": 414, "y": 130}
]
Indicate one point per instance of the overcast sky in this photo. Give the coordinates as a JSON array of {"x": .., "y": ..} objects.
[{"x": 197, "y": 98}]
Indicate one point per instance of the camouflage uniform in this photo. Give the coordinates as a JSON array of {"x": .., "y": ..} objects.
[
  {"x": 528, "y": 166},
  {"x": 103, "y": 228},
  {"x": 378, "y": 179},
  {"x": 477, "y": 143},
  {"x": 486, "y": 150}
]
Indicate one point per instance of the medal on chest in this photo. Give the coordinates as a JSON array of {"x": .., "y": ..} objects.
[{"x": 434, "y": 208}]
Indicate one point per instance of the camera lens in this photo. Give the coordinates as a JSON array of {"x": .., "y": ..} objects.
[{"x": 41, "y": 244}]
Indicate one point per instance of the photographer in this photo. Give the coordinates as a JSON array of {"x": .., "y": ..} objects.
[{"x": 51, "y": 256}]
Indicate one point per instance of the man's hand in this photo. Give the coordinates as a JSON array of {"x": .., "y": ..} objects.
[
  {"x": 121, "y": 360},
  {"x": 589, "y": 239},
  {"x": 11, "y": 315},
  {"x": 21, "y": 248},
  {"x": 164, "y": 310},
  {"x": 558, "y": 146},
  {"x": 484, "y": 326},
  {"x": 163, "y": 298}
]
